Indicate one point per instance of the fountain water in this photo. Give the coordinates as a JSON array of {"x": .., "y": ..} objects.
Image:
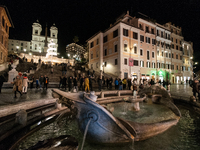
[{"x": 102, "y": 127}]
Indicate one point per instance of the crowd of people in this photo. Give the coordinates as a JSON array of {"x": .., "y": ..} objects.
[
  {"x": 81, "y": 83},
  {"x": 21, "y": 83}
]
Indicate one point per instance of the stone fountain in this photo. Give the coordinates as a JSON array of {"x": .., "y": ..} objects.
[{"x": 103, "y": 128}]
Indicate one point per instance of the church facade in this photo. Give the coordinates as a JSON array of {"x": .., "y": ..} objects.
[{"x": 38, "y": 44}]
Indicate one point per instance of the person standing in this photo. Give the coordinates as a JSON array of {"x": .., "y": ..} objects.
[
  {"x": 17, "y": 86},
  {"x": 32, "y": 81},
  {"x": 61, "y": 82},
  {"x": 164, "y": 83},
  {"x": 134, "y": 87},
  {"x": 195, "y": 88},
  {"x": 24, "y": 84},
  {"x": 51, "y": 69},
  {"x": 87, "y": 87},
  {"x": 41, "y": 81},
  {"x": 46, "y": 82},
  {"x": 90, "y": 83},
  {"x": 124, "y": 83},
  {"x": 64, "y": 82},
  {"x": 120, "y": 84},
  {"x": 152, "y": 82},
  {"x": 107, "y": 82},
  {"x": 116, "y": 84},
  {"x": 75, "y": 84},
  {"x": 110, "y": 82},
  {"x": 81, "y": 83},
  {"x": 93, "y": 73},
  {"x": 70, "y": 83},
  {"x": 2, "y": 79},
  {"x": 129, "y": 84},
  {"x": 100, "y": 83}
]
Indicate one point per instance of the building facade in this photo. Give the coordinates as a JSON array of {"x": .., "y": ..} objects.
[
  {"x": 39, "y": 42},
  {"x": 138, "y": 48},
  {"x": 74, "y": 50},
  {"x": 5, "y": 24}
]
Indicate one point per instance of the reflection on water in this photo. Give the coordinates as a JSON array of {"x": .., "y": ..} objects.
[{"x": 183, "y": 136}]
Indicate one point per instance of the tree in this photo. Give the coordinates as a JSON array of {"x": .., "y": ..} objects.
[{"x": 76, "y": 39}]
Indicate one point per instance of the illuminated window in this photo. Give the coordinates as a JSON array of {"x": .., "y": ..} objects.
[
  {"x": 125, "y": 47},
  {"x": 148, "y": 65}
]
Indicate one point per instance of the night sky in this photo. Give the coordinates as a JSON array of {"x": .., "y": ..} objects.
[{"x": 84, "y": 18}]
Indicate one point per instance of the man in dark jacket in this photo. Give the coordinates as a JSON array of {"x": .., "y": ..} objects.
[
  {"x": 75, "y": 84},
  {"x": 2, "y": 79},
  {"x": 70, "y": 83},
  {"x": 64, "y": 82},
  {"x": 81, "y": 83},
  {"x": 107, "y": 82},
  {"x": 129, "y": 84},
  {"x": 46, "y": 82},
  {"x": 110, "y": 83},
  {"x": 90, "y": 83}
]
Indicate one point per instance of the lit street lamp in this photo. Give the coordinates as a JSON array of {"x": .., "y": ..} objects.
[{"x": 103, "y": 67}]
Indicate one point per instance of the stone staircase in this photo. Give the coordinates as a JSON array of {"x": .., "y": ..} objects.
[{"x": 53, "y": 77}]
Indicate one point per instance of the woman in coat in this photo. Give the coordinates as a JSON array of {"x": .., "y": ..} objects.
[
  {"x": 24, "y": 84},
  {"x": 17, "y": 86}
]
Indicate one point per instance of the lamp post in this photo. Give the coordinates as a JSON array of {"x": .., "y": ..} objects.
[{"x": 103, "y": 67}]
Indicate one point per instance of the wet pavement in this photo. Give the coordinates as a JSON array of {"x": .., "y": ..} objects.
[
  {"x": 182, "y": 90},
  {"x": 7, "y": 95}
]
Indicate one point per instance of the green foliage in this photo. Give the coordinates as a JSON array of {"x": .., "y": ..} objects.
[{"x": 76, "y": 39}]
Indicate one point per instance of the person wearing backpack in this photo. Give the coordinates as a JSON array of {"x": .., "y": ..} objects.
[
  {"x": 46, "y": 82},
  {"x": 116, "y": 84}
]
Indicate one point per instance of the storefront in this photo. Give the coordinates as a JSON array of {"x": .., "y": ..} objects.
[
  {"x": 161, "y": 75},
  {"x": 134, "y": 76}
]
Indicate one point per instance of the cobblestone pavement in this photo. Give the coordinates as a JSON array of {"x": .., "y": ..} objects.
[
  {"x": 7, "y": 95},
  {"x": 182, "y": 90}
]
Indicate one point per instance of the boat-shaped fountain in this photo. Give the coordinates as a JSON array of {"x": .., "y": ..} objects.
[{"x": 102, "y": 127}]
